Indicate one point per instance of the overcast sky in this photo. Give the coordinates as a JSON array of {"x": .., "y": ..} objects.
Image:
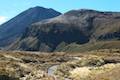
[{"x": 11, "y": 8}]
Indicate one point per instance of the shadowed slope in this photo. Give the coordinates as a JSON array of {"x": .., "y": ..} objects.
[{"x": 15, "y": 27}]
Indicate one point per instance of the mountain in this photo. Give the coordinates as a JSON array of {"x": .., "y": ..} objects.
[
  {"x": 14, "y": 28},
  {"x": 76, "y": 26}
]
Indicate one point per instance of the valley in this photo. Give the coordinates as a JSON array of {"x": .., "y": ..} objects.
[
  {"x": 44, "y": 44},
  {"x": 23, "y": 65}
]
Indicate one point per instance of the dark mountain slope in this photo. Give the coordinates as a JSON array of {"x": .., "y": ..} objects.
[
  {"x": 12, "y": 29},
  {"x": 76, "y": 26}
]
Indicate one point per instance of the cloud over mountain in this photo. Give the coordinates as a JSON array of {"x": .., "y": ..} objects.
[{"x": 3, "y": 19}]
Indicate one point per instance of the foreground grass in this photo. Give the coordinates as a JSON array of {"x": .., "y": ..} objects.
[{"x": 93, "y": 65}]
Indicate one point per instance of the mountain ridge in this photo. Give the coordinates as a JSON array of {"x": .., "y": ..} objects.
[{"x": 79, "y": 26}]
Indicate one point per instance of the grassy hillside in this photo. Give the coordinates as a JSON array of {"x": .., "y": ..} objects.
[{"x": 89, "y": 46}]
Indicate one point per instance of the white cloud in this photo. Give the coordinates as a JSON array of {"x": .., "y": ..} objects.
[{"x": 3, "y": 19}]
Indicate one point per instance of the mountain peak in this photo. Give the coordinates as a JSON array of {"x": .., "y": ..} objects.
[
  {"x": 42, "y": 10},
  {"x": 24, "y": 20},
  {"x": 81, "y": 11},
  {"x": 38, "y": 7},
  {"x": 87, "y": 10}
]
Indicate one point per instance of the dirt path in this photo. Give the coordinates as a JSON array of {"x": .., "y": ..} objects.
[{"x": 14, "y": 58}]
